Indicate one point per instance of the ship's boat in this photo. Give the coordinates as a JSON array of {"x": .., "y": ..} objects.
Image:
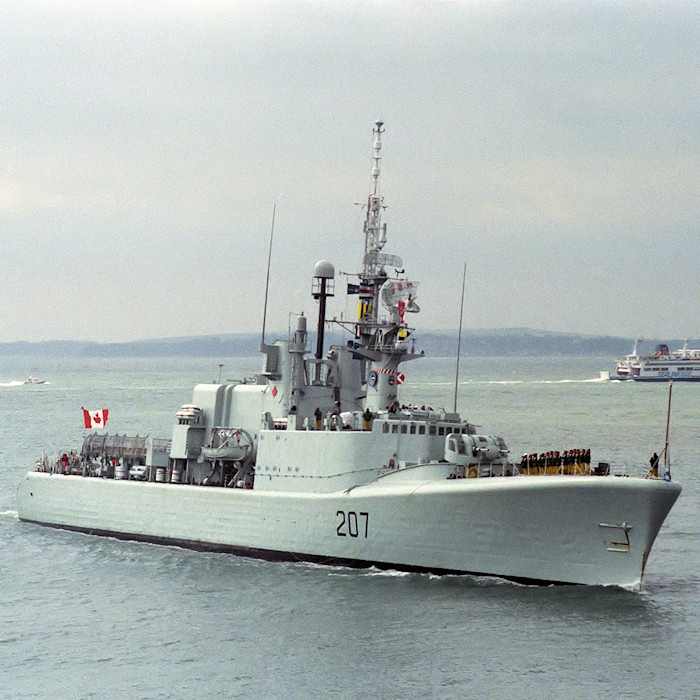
[{"x": 316, "y": 459}]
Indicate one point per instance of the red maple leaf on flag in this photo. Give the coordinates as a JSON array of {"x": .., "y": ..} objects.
[{"x": 95, "y": 419}]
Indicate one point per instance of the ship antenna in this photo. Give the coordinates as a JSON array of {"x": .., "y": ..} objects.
[
  {"x": 373, "y": 275},
  {"x": 373, "y": 225},
  {"x": 459, "y": 336},
  {"x": 267, "y": 279}
]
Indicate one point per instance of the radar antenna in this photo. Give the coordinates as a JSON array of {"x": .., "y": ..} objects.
[
  {"x": 373, "y": 273},
  {"x": 375, "y": 232}
]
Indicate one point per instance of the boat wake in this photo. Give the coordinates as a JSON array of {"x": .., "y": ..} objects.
[
  {"x": 594, "y": 380},
  {"x": 344, "y": 572},
  {"x": 17, "y": 382},
  {"x": 543, "y": 381},
  {"x": 9, "y": 514},
  {"x": 515, "y": 382}
]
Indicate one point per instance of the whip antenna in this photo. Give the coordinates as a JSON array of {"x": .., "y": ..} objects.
[
  {"x": 459, "y": 336},
  {"x": 267, "y": 279}
]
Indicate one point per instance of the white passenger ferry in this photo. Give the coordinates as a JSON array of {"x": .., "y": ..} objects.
[
  {"x": 315, "y": 459},
  {"x": 680, "y": 365}
]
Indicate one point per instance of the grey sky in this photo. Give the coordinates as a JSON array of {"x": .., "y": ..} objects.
[{"x": 553, "y": 146}]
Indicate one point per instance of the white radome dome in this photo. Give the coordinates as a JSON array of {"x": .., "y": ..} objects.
[{"x": 325, "y": 269}]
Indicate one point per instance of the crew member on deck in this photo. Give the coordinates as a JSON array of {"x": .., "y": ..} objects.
[
  {"x": 335, "y": 416},
  {"x": 654, "y": 463}
]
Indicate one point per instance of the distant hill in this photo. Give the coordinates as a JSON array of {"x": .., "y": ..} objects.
[
  {"x": 243, "y": 345},
  {"x": 497, "y": 342},
  {"x": 522, "y": 342}
]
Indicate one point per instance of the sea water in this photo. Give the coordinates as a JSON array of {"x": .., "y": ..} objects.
[{"x": 90, "y": 617}]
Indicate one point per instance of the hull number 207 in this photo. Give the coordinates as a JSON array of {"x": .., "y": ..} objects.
[{"x": 352, "y": 524}]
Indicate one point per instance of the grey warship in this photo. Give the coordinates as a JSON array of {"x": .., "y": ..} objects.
[{"x": 315, "y": 459}]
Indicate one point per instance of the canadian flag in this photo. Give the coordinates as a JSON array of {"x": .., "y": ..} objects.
[{"x": 95, "y": 419}]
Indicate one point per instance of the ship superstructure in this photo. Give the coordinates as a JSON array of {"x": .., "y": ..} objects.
[{"x": 316, "y": 459}]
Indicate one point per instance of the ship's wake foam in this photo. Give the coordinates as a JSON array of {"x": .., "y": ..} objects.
[
  {"x": 595, "y": 380},
  {"x": 512, "y": 382}
]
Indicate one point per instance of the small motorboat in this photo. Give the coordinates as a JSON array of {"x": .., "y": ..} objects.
[{"x": 34, "y": 380}]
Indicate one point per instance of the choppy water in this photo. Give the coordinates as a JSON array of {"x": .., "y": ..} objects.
[{"x": 88, "y": 617}]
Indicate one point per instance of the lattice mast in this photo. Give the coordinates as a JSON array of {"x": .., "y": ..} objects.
[
  {"x": 382, "y": 339},
  {"x": 373, "y": 274}
]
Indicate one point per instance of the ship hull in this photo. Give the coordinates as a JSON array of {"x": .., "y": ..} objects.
[
  {"x": 544, "y": 529},
  {"x": 676, "y": 378}
]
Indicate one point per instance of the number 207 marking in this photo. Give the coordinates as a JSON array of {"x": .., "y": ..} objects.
[{"x": 352, "y": 524}]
